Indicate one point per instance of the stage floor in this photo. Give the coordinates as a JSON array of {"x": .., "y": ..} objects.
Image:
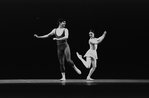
[
  {"x": 74, "y": 88},
  {"x": 72, "y": 81}
]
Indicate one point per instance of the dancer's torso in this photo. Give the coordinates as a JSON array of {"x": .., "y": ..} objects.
[
  {"x": 93, "y": 46},
  {"x": 59, "y": 33}
]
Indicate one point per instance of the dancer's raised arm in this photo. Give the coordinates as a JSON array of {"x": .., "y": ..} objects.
[
  {"x": 101, "y": 37},
  {"x": 65, "y": 37},
  {"x": 47, "y": 35}
]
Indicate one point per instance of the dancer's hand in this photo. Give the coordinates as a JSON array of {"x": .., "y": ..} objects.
[
  {"x": 54, "y": 38},
  {"x": 105, "y": 32},
  {"x": 36, "y": 35}
]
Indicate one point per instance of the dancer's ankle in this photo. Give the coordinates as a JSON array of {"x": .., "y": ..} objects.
[
  {"x": 89, "y": 78},
  {"x": 63, "y": 79}
]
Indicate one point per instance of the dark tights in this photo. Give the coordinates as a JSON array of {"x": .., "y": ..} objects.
[{"x": 63, "y": 51}]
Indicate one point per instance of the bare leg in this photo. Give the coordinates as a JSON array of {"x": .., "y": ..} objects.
[
  {"x": 68, "y": 58},
  {"x": 86, "y": 63},
  {"x": 92, "y": 69}
]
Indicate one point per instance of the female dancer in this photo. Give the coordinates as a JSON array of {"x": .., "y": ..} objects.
[
  {"x": 91, "y": 54},
  {"x": 63, "y": 50}
]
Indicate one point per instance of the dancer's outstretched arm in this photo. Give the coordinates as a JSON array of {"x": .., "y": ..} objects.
[
  {"x": 47, "y": 35},
  {"x": 62, "y": 38},
  {"x": 101, "y": 37}
]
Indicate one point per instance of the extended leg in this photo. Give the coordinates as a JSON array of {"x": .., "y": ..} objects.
[
  {"x": 86, "y": 63},
  {"x": 92, "y": 69},
  {"x": 68, "y": 58}
]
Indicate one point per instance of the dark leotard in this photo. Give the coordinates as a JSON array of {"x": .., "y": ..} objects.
[{"x": 63, "y": 50}]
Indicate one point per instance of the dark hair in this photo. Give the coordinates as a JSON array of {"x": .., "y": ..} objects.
[
  {"x": 60, "y": 20},
  {"x": 91, "y": 30}
]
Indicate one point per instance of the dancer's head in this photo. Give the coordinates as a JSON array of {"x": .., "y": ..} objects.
[
  {"x": 61, "y": 23},
  {"x": 91, "y": 34}
]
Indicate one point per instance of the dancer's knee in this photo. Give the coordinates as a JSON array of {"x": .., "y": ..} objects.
[
  {"x": 94, "y": 66},
  {"x": 68, "y": 59},
  {"x": 88, "y": 65},
  {"x": 70, "y": 62}
]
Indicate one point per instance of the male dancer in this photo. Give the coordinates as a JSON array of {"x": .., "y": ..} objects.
[
  {"x": 91, "y": 54},
  {"x": 63, "y": 50}
]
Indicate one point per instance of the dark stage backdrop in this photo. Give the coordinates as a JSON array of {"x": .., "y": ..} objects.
[{"x": 123, "y": 54}]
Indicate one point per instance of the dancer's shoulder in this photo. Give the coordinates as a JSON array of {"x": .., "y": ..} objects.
[{"x": 93, "y": 40}]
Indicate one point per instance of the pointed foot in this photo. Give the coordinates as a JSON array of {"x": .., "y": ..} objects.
[
  {"x": 78, "y": 55},
  {"x": 77, "y": 70}
]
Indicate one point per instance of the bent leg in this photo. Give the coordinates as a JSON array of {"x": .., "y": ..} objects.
[
  {"x": 86, "y": 63},
  {"x": 68, "y": 58},
  {"x": 94, "y": 65}
]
